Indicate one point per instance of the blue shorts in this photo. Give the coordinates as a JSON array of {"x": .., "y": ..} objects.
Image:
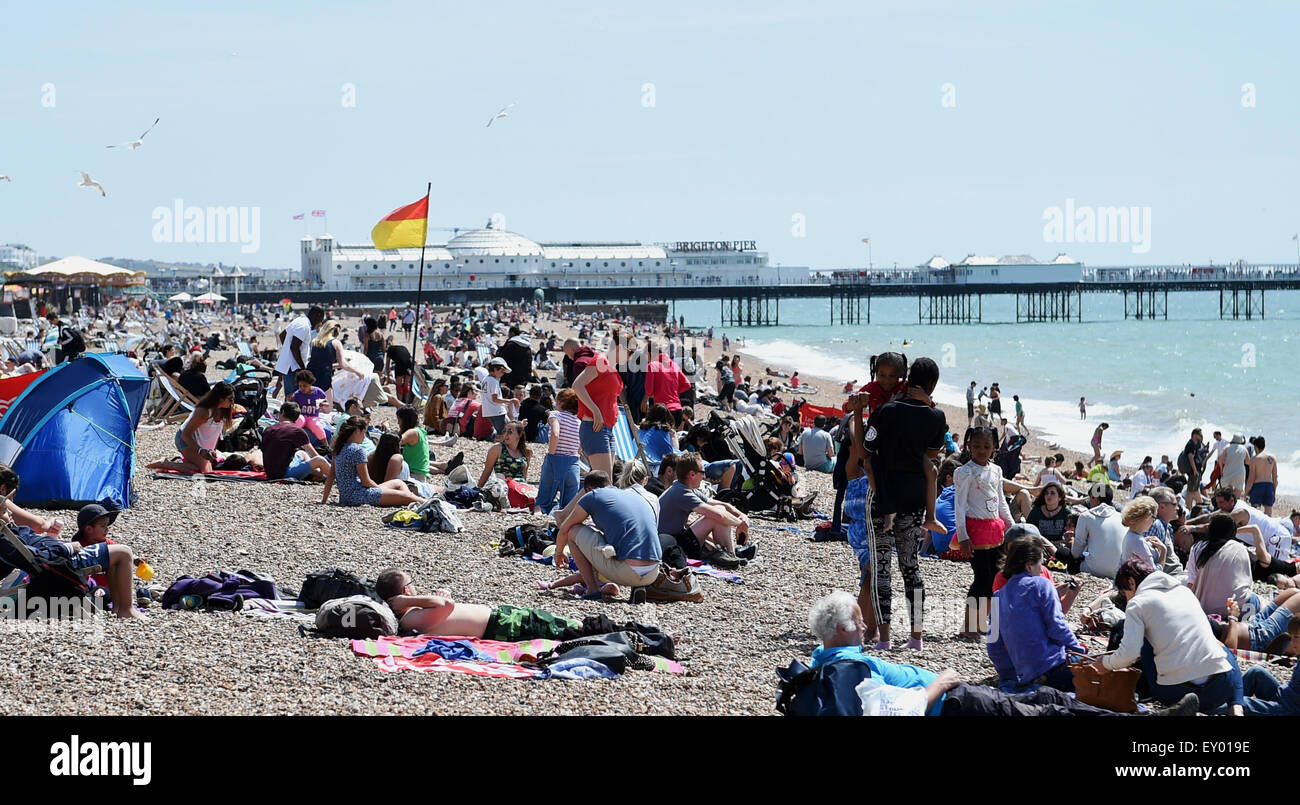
[
  {"x": 714, "y": 470},
  {"x": 299, "y": 468},
  {"x": 593, "y": 443},
  {"x": 91, "y": 555},
  {"x": 180, "y": 441},
  {"x": 1265, "y": 627},
  {"x": 1262, "y": 493}
]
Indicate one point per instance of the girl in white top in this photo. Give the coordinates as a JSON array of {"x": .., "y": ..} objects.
[
  {"x": 982, "y": 517},
  {"x": 197, "y": 439}
]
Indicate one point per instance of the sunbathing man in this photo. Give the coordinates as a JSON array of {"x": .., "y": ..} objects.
[{"x": 438, "y": 614}]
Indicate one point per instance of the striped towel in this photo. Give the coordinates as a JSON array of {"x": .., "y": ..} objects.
[{"x": 395, "y": 654}]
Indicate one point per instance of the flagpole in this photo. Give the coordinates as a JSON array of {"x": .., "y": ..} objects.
[{"x": 419, "y": 288}]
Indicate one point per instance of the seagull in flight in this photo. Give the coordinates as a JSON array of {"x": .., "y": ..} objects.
[
  {"x": 5, "y": 177},
  {"x": 136, "y": 143},
  {"x": 504, "y": 111},
  {"x": 86, "y": 181}
]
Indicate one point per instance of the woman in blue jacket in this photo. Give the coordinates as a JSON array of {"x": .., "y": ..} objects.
[{"x": 1031, "y": 634}]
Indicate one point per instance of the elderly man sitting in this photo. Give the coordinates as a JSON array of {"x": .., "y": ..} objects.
[{"x": 836, "y": 620}]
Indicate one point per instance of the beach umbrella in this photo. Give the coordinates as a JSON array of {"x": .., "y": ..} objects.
[
  {"x": 180, "y": 297},
  {"x": 210, "y": 298}
]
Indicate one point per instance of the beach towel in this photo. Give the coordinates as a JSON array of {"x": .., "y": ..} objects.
[
  {"x": 215, "y": 475},
  {"x": 400, "y": 654},
  {"x": 706, "y": 569}
]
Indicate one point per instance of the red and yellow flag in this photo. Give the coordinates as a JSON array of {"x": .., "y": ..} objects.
[{"x": 403, "y": 228}]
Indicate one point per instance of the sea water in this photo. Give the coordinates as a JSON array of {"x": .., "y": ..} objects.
[{"x": 1151, "y": 380}]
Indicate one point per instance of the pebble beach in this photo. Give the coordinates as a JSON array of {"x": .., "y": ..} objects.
[{"x": 224, "y": 663}]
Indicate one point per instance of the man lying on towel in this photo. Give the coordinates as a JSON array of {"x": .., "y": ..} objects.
[{"x": 438, "y": 614}]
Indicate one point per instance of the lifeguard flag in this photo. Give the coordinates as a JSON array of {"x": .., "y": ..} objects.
[{"x": 403, "y": 228}]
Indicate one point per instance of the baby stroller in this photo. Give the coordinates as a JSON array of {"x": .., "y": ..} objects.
[
  {"x": 250, "y": 394},
  {"x": 1008, "y": 457}
]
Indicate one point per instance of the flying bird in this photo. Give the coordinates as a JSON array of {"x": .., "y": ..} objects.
[
  {"x": 86, "y": 181},
  {"x": 5, "y": 177},
  {"x": 505, "y": 110},
  {"x": 136, "y": 143}
]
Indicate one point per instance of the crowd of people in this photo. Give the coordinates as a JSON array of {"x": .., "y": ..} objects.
[{"x": 1184, "y": 570}]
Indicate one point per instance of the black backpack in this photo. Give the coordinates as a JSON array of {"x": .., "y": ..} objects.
[
  {"x": 525, "y": 539},
  {"x": 332, "y": 583},
  {"x": 827, "y": 690}
]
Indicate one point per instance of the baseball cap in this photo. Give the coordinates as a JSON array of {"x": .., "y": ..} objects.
[{"x": 92, "y": 512}]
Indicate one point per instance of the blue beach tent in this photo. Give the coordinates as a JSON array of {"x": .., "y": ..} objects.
[{"x": 70, "y": 435}]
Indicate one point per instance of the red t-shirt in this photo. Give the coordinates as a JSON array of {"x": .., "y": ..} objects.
[
  {"x": 1000, "y": 581},
  {"x": 604, "y": 390},
  {"x": 666, "y": 383},
  {"x": 877, "y": 396}
]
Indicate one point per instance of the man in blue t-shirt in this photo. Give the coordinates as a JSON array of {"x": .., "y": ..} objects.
[{"x": 622, "y": 547}]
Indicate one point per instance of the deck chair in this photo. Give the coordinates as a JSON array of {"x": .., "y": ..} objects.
[
  {"x": 626, "y": 444},
  {"x": 420, "y": 386},
  {"x": 17, "y": 559},
  {"x": 245, "y": 351},
  {"x": 175, "y": 403}
]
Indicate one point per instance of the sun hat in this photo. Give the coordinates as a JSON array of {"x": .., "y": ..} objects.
[{"x": 499, "y": 362}]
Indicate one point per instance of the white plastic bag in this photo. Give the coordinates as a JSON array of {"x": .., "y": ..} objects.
[{"x": 879, "y": 699}]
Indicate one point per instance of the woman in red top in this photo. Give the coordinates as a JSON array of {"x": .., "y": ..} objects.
[{"x": 597, "y": 384}]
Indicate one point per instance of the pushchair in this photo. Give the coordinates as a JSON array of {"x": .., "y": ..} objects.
[
  {"x": 250, "y": 394},
  {"x": 1008, "y": 457}
]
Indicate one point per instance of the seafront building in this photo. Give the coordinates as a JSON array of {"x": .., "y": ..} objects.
[{"x": 496, "y": 258}]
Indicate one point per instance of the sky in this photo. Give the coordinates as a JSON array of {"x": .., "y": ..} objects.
[{"x": 929, "y": 128}]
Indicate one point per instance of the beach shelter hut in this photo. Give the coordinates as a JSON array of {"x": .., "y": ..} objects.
[{"x": 70, "y": 435}]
